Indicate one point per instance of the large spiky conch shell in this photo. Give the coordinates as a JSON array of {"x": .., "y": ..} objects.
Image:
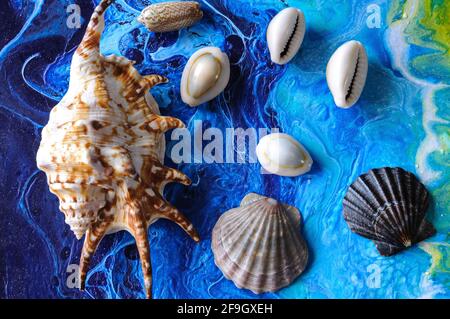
[{"x": 102, "y": 151}]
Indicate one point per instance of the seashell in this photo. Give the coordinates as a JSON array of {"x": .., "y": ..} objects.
[
  {"x": 205, "y": 76},
  {"x": 285, "y": 35},
  {"x": 281, "y": 154},
  {"x": 258, "y": 244},
  {"x": 388, "y": 206},
  {"x": 103, "y": 148},
  {"x": 347, "y": 72},
  {"x": 170, "y": 16}
]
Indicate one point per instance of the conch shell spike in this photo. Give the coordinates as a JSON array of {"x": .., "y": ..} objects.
[
  {"x": 173, "y": 175},
  {"x": 175, "y": 215},
  {"x": 91, "y": 39},
  {"x": 154, "y": 79},
  {"x": 92, "y": 239},
  {"x": 164, "y": 123},
  {"x": 141, "y": 236}
]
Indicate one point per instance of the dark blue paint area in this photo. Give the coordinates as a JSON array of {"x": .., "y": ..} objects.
[{"x": 38, "y": 250}]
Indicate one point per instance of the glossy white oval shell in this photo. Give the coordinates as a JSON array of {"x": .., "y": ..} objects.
[
  {"x": 205, "y": 76},
  {"x": 347, "y": 73},
  {"x": 281, "y": 154},
  {"x": 285, "y": 35}
]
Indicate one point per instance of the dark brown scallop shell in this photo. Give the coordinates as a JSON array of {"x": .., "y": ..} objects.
[{"x": 388, "y": 206}]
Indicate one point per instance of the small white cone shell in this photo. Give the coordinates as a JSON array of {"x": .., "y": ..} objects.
[{"x": 347, "y": 67}]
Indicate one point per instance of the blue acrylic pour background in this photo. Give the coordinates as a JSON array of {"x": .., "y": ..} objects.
[{"x": 388, "y": 126}]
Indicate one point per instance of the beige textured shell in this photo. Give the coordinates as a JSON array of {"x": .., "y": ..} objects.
[
  {"x": 103, "y": 148},
  {"x": 170, "y": 16},
  {"x": 258, "y": 244}
]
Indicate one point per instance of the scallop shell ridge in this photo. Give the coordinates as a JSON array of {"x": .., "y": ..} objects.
[
  {"x": 258, "y": 245},
  {"x": 388, "y": 206}
]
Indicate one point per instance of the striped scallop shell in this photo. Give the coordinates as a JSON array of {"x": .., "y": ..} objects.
[
  {"x": 258, "y": 244},
  {"x": 170, "y": 16},
  {"x": 388, "y": 206}
]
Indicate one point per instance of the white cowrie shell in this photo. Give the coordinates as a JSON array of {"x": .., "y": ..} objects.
[
  {"x": 285, "y": 35},
  {"x": 346, "y": 73}
]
